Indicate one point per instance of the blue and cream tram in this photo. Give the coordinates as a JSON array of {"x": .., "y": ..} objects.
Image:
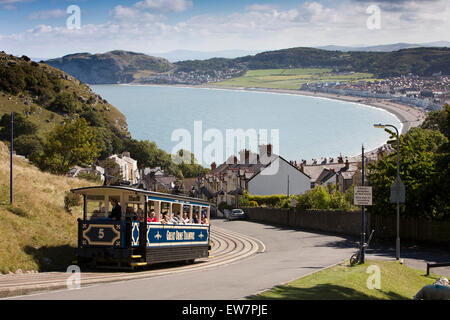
[{"x": 129, "y": 242}]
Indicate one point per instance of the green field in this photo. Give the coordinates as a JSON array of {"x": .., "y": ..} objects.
[
  {"x": 290, "y": 78},
  {"x": 343, "y": 282}
]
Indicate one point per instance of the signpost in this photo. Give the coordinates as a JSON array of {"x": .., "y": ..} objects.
[{"x": 362, "y": 196}]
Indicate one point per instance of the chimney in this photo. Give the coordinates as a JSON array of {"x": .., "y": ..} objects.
[
  {"x": 340, "y": 159},
  {"x": 347, "y": 165},
  {"x": 265, "y": 149},
  {"x": 244, "y": 156},
  {"x": 235, "y": 160},
  {"x": 126, "y": 154},
  {"x": 213, "y": 166},
  {"x": 302, "y": 168}
]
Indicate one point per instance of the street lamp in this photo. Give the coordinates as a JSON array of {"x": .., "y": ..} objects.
[{"x": 397, "y": 186}]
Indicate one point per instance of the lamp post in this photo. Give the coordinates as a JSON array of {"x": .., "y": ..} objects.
[{"x": 397, "y": 184}]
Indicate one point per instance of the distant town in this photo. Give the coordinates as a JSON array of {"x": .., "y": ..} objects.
[{"x": 427, "y": 93}]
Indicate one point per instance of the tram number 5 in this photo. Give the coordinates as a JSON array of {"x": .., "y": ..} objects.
[{"x": 101, "y": 233}]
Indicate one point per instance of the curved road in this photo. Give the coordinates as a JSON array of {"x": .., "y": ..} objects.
[{"x": 247, "y": 258}]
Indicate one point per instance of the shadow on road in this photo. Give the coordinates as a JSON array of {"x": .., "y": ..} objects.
[{"x": 321, "y": 292}]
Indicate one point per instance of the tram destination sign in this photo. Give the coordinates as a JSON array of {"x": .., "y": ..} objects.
[{"x": 362, "y": 196}]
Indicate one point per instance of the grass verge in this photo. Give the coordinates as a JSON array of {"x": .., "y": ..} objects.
[
  {"x": 36, "y": 233},
  {"x": 342, "y": 282}
]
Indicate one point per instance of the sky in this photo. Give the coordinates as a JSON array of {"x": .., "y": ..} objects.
[{"x": 39, "y": 28}]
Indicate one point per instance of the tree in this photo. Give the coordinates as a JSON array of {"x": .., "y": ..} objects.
[
  {"x": 21, "y": 126},
  {"x": 26, "y": 145},
  {"x": 191, "y": 168},
  {"x": 420, "y": 150},
  {"x": 68, "y": 145},
  {"x": 64, "y": 103}
]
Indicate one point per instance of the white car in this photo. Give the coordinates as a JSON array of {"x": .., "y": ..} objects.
[{"x": 236, "y": 214}]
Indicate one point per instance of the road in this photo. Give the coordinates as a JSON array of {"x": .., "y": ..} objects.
[{"x": 286, "y": 255}]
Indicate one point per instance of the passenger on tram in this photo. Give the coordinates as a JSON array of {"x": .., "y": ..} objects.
[
  {"x": 165, "y": 219},
  {"x": 195, "y": 219},
  {"x": 116, "y": 212},
  {"x": 204, "y": 220},
  {"x": 152, "y": 217},
  {"x": 178, "y": 219},
  {"x": 185, "y": 218}
]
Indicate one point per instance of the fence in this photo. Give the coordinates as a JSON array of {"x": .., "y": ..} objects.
[{"x": 349, "y": 223}]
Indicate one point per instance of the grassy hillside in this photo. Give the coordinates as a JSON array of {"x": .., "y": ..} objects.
[
  {"x": 290, "y": 78},
  {"x": 37, "y": 90},
  {"x": 420, "y": 61},
  {"x": 36, "y": 233}
]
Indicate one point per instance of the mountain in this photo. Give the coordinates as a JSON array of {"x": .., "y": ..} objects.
[
  {"x": 111, "y": 67},
  {"x": 127, "y": 67},
  {"x": 181, "y": 55},
  {"x": 386, "y": 47},
  {"x": 420, "y": 61}
]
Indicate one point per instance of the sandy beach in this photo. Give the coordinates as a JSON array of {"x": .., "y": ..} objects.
[{"x": 408, "y": 116}]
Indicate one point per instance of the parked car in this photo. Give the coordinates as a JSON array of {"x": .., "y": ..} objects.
[{"x": 237, "y": 214}]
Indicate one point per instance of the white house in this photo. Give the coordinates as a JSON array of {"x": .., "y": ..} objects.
[
  {"x": 128, "y": 167},
  {"x": 280, "y": 177}
]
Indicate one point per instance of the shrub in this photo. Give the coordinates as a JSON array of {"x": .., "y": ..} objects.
[
  {"x": 90, "y": 177},
  {"x": 71, "y": 200},
  {"x": 223, "y": 205},
  {"x": 26, "y": 145}
]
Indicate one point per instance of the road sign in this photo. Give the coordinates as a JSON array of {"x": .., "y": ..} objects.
[
  {"x": 362, "y": 196},
  {"x": 398, "y": 191}
]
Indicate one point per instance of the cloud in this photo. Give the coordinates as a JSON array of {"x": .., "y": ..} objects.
[
  {"x": 256, "y": 27},
  {"x": 47, "y": 14},
  {"x": 165, "y": 5},
  {"x": 123, "y": 14}
]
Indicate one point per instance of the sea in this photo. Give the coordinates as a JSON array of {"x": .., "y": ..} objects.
[{"x": 204, "y": 119}]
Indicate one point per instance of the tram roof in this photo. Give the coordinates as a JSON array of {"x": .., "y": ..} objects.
[{"x": 153, "y": 194}]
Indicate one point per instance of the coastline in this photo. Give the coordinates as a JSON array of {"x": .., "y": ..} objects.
[{"x": 408, "y": 116}]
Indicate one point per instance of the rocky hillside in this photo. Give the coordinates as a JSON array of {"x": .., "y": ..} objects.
[
  {"x": 111, "y": 67},
  {"x": 47, "y": 96}
]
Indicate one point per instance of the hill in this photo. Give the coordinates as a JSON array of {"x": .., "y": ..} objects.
[
  {"x": 419, "y": 61},
  {"x": 47, "y": 96},
  {"x": 387, "y": 47},
  {"x": 36, "y": 233},
  {"x": 111, "y": 67},
  {"x": 100, "y": 69}
]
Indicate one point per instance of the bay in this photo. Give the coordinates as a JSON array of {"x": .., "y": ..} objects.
[{"x": 309, "y": 127}]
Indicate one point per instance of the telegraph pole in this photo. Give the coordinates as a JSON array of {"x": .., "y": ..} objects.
[
  {"x": 363, "y": 223},
  {"x": 11, "y": 197}
]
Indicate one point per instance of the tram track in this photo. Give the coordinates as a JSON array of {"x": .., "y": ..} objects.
[{"x": 227, "y": 247}]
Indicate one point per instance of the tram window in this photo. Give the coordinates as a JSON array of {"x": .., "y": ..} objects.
[
  {"x": 152, "y": 214},
  {"x": 96, "y": 207},
  {"x": 165, "y": 208},
  {"x": 134, "y": 211},
  {"x": 196, "y": 214}
]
